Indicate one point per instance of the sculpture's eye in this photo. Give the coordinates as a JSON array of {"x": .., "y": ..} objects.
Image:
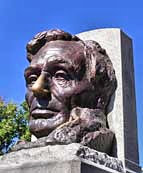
[
  {"x": 47, "y": 75},
  {"x": 61, "y": 75},
  {"x": 31, "y": 79}
]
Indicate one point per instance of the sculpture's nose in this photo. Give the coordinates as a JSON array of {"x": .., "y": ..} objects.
[{"x": 40, "y": 87}]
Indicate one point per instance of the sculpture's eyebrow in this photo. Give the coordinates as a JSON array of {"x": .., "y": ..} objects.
[
  {"x": 58, "y": 63},
  {"x": 31, "y": 70},
  {"x": 56, "y": 59}
]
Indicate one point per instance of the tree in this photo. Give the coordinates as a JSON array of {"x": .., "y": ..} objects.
[{"x": 13, "y": 124}]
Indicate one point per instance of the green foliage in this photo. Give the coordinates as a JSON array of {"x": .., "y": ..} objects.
[{"x": 13, "y": 124}]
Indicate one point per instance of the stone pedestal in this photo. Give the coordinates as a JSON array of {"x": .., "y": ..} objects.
[
  {"x": 72, "y": 158},
  {"x": 122, "y": 117}
]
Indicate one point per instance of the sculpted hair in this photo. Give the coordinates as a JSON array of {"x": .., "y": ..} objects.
[
  {"x": 40, "y": 39},
  {"x": 99, "y": 69}
]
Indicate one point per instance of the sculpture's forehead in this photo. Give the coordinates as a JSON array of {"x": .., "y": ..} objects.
[{"x": 70, "y": 51}]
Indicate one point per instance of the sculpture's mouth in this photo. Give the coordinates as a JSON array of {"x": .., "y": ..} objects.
[
  {"x": 43, "y": 121},
  {"x": 43, "y": 113}
]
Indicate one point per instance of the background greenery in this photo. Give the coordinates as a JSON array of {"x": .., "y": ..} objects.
[{"x": 13, "y": 124}]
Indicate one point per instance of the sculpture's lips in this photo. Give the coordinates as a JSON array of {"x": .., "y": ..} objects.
[
  {"x": 43, "y": 127},
  {"x": 43, "y": 113}
]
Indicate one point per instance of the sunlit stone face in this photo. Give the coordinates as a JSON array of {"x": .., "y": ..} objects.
[{"x": 55, "y": 84}]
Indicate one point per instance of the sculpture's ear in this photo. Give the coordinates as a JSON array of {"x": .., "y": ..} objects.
[
  {"x": 91, "y": 58},
  {"x": 100, "y": 72}
]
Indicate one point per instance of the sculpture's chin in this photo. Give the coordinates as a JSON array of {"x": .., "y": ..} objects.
[{"x": 43, "y": 127}]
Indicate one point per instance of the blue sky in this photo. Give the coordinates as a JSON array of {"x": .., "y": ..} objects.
[{"x": 21, "y": 19}]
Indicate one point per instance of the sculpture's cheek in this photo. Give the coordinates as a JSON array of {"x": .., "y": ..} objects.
[
  {"x": 63, "y": 90},
  {"x": 64, "y": 94},
  {"x": 29, "y": 97}
]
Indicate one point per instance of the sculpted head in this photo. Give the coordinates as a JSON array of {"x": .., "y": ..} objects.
[{"x": 64, "y": 73}]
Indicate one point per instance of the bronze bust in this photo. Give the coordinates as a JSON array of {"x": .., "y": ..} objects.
[{"x": 69, "y": 86}]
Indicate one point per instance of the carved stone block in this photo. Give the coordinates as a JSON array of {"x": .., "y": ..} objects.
[{"x": 72, "y": 158}]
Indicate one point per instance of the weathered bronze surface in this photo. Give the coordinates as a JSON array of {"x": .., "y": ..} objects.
[{"x": 69, "y": 85}]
